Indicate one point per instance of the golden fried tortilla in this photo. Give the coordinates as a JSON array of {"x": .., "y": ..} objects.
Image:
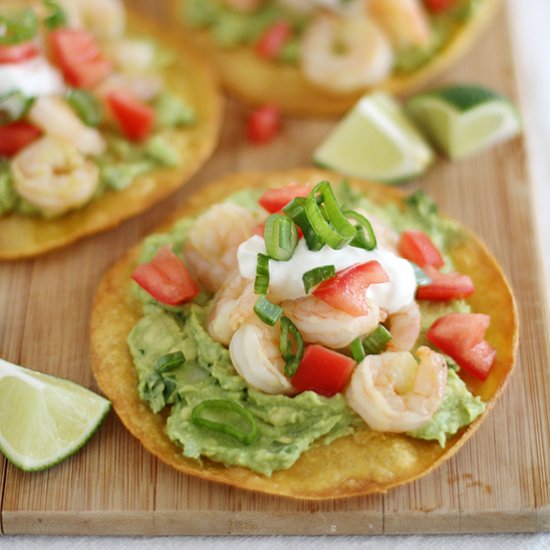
[
  {"x": 257, "y": 82},
  {"x": 359, "y": 464},
  {"x": 24, "y": 236}
]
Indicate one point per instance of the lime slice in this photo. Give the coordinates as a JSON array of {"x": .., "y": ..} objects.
[
  {"x": 375, "y": 141},
  {"x": 44, "y": 419},
  {"x": 463, "y": 120}
]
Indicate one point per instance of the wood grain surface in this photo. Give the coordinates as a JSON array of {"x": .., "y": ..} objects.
[{"x": 500, "y": 481}]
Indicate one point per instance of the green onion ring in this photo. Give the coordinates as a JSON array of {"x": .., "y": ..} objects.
[
  {"x": 377, "y": 340},
  {"x": 295, "y": 210},
  {"x": 261, "y": 282},
  {"x": 365, "y": 237},
  {"x": 317, "y": 275},
  {"x": 281, "y": 237},
  {"x": 266, "y": 311},
  {"x": 292, "y": 358},
  {"x": 357, "y": 350}
]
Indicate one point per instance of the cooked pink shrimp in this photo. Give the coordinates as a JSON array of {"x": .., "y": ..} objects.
[
  {"x": 404, "y": 21},
  {"x": 245, "y": 6},
  {"x": 394, "y": 393},
  {"x": 320, "y": 323},
  {"x": 230, "y": 308},
  {"x": 404, "y": 326},
  {"x": 345, "y": 54},
  {"x": 211, "y": 248},
  {"x": 256, "y": 356}
]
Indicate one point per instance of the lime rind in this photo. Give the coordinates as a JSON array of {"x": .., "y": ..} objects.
[
  {"x": 462, "y": 121},
  {"x": 375, "y": 141},
  {"x": 45, "y": 419}
]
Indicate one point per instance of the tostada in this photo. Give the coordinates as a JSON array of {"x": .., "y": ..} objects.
[
  {"x": 317, "y": 57},
  {"x": 298, "y": 335},
  {"x": 102, "y": 114}
]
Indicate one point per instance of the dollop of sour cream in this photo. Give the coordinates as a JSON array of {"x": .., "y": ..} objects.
[
  {"x": 285, "y": 278},
  {"x": 32, "y": 78}
]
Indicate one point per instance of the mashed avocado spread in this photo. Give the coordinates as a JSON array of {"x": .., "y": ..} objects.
[{"x": 286, "y": 426}]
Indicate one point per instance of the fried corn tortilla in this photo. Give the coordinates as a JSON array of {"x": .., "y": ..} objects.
[
  {"x": 189, "y": 76},
  {"x": 359, "y": 464},
  {"x": 256, "y": 82}
]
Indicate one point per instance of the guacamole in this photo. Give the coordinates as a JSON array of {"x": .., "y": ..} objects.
[{"x": 286, "y": 426}]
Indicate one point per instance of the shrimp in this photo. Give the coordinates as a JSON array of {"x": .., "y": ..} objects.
[
  {"x": 105, "y": 18},
  {"x": 404, "y": 326},
  {"x": 245, "y": 6},
  {"x": 53, "y": 115},
  {"x": 343, "y": 54},
  {"x": 213, "y": 241},
  {"x": 394, "y": 393},
  {"x": 53, "y": 175},
  {"x": 404, "y": 21},
  {"x": 255, "y": 353},
  {"x": 320, "y": 323},
  {"x": 231, "y": 306}
]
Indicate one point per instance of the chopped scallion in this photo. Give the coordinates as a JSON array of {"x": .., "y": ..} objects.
[
  {"x": 266, "y": 311},
  {"x": 295, "y": 210},
  {"x": 327, "y": 219},
  {"x": 420, "y": 275},
  {"x": 291, "y": 345},
  {"x": 261, "y": 283},
  {"x": 216, "y": 405},
  {"x": 56, "y": 17},
  {"x": 357, "y": 350},
  {"x": 365, "y": 237},
  {"x": 281, "y": 237},
  {"x": 21, "y": 27},
  {"x": 86, "y": 106},
  {"x": 315, "y": 276},
  {"x": 377, "y": 340}
]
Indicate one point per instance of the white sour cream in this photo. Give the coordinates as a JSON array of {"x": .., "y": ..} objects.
[
  {"x": 285, "y": 278},
  {"x": 32, "y": 78}
]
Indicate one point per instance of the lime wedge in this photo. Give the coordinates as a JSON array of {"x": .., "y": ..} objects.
[
  {"x": 463, "y": 120},
  {"x": 375, "y": 141},
  {"x": 44, "y": 419}
]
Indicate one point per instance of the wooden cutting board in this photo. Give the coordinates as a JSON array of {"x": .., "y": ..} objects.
[{"x": 498, "y": 482}]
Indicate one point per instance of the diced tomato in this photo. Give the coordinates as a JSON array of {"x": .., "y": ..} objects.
[
  {"x": 461, "y": 336},
  {"x": 263, "y": 124},
  {"x": 17, "y": 53},
  {"x": 166, "y": 278},
  {"x": 79, "y": 57},
  {"x": 347, "y": 290},
  {"x": 274, "y": 200},
  {"x": 16, "y": 136},
  {"x": 445, "y": 286},
  {"x": 135, "y": 117},
  {"x": 439, "y": 6},
  {"x": 273, "y": 39},
  {"x": 323, "y": 371},
  {"x": 417, "y": 247}
]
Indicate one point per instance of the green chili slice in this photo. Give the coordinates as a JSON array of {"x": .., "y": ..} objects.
[
  {"x": 377, "y": 340},
  {"x": 266, "y": 311},
  {"x": 86, "y": 106},
  {"x": 170, "y": 361},
  {"x": 291, "y": 345},
  {"x": 213, "y": 405},
  {"x": 327, "y": 219},
  {"x": 281, "y": 237},
  {"x": 295, "y": 210},
  {"x": 56, "y": 17},
  {"x": 261, "y": 283},
  {"x": 357, "y": 350},
  {"x": 20, "y": 27},
  {"x": 317, "y": 275},
  {"x": 365, "y": 237}
]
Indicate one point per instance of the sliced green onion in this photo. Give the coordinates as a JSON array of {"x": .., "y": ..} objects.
[
  {"x": 14, "y": 106},
  {"x": 214, "y": 405},
  {"x": 315, "y": 276},
  {"x": 281, "y": 237},
  {"x": 86, "y": 106},
  {"x": 327, "y": 219},
  {"x": 170, "y": 361},
  {"x": 261, "y": 283},
  {"x": 21, "y": 27},
  {"x": 377, "y": 340},
  {"x": 266, "y": 311},
  {"x": 365, "y": 237},
  {"x": 422, "y": 278},
  {"x": 296, "y": 211},
  {"x": 357, "y": 350},
  {"x": 57, "y": 16},
  {"x": 292, "y": 351}
]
